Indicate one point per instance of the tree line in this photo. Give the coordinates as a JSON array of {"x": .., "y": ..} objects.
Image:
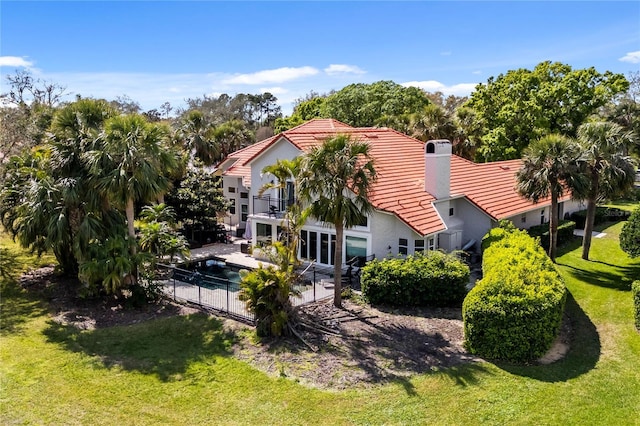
[{"x": 77, "y": 175}]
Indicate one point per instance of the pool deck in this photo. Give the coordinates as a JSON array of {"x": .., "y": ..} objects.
[
  {"x": 230, "y": 253},
  {"x": 319, "y": 287}
]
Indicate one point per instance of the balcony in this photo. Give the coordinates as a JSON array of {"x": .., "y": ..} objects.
[{"x": 271, "y": 206}]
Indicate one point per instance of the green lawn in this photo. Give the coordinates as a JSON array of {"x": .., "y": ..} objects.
[{"x": 179, "y": 371}]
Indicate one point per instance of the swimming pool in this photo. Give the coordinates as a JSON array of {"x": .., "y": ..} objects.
[{"x": 210, "y": 273}]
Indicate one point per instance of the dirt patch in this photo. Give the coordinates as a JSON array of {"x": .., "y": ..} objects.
[
  {"x": 357, "y": 346},
  {"x": 86, "y": 314}
]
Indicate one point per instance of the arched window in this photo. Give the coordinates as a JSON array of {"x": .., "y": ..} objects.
[{"x": 431, "y": 148}]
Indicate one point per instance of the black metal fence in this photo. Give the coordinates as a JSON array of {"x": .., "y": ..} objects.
[{"x": 221, "y": 295}]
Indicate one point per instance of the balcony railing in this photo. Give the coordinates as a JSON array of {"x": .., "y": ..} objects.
[{"x": 271, "y": 206}]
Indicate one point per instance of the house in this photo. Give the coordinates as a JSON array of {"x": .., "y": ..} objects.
[{"x": 424, "y": 197}]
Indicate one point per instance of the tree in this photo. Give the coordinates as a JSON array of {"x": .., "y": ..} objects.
[
  {"x": 432, "y": 122},
  {"x": 197, "y": 199},
  {"x": 549, "y": 168},
  {"x": 524, "y": 105},
  {"x": 158, "y": 235},
  {"x": 335, "y": 179},
  {"x": 132, "y": 165},
  {"x": 267, "y": 290},
  {"x": 606, "y": 167},
  {"x": 361, "y": 105},
  {"x": 197, "y": 135},
  {"x": 26, "y": 111},
  {"x": 48, "y": 200},
  {"x": 630, "y": 235},
  {"x": 305, "y": 109},
  {"x": 230, "y": 137}
]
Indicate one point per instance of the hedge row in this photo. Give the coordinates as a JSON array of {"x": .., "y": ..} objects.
[
  {"x": 514, "y": 313},
  {"x": 603, "y": 214},
  {"x": 565, "y": 233},
  {"x": 429, "y": 279},
  {"x": 635, "y": 289}
]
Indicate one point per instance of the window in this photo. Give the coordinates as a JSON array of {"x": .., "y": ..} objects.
[
  {"x": 324, "y": 248},
  {"x": 263, "y": 233},
  {"x": 431, "y": 243},
  {"x": 418, "y": 246},
  {"x": 364, "y": 222},
  {"x": 313, "y": 245},
  {"x": 231, "y": 190},
  {"x": 542, "y": 217},
  {"x": 232, "y": 206},
  {"x": 402, "y": 246},
  {"x": 450, "y": 211},
  {"x": 356, "y": 250},
  {"x": 304, "y": 238},
  {"x": 244, "y": 211},
  {"x": 523, "y": 218},
  {"x": 244, "y": 195}
]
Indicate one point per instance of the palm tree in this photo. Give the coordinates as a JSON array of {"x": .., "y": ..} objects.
[
  {"x": 335, "y": 179},
  {"x": 432, "y": 122},
  {"x": 230, "y": 137},
  {"x": 197, "y": 136},
  {"x": 608, "y": 170},
  {"x": 549, "y": 169},
  {"x": 132, "y": 165}
]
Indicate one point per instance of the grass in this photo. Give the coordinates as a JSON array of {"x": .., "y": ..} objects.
[{"x": 179, "y": 370}]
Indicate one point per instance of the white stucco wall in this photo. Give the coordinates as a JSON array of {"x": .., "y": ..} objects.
[
  {"x": 536, "y": 217},
  {"x": 230, "y": 183},
  {"x": 281, "y": 149}
]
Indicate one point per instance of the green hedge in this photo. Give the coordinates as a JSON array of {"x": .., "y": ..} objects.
[
  {"x": 565, "y": 233},
  {"x": 603, "y": 214},
  {"x": 635, "y": 289},
  {"x": 514, "y": 313},
  {"x": 429, "y": 279}
]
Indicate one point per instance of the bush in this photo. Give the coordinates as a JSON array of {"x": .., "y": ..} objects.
[
  {"x": 603, "y": 214},
  {"x": 565, "y": 233},
  {"x": 630, "y": 235},
  {"x": 635, "y": 290},
  {"x": 496, "y": 234},
  {"x": 432, "y": 278},
  {"x": 514, "y": 313}
]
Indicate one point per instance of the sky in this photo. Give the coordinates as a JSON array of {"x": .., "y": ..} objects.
[{"x": 164, "y": 51}]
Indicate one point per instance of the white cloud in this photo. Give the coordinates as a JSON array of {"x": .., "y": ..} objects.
[
  {"x": 462, "y": 89},
  {"x": 335, "y": 69},
  {"x": 14, "y": 61},
  {"x": 476, "y": 72},
  {"x": 274, "y": 90},
  {"x": 279, "y": 75},
  {"x": 447, "y": 53},
  {"x": 631, "y": 57}
]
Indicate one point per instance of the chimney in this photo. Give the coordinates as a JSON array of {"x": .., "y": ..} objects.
[{"x": 437, "y": 168}]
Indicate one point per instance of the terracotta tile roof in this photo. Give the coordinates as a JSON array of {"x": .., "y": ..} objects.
[
  {"x": 399, "y": 163},
  {"x": 491, "y": 186},
  {"x": 240, "y": 167}
]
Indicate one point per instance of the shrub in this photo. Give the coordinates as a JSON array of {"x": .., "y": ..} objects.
[
  {"x": 565, "y": 232},
  {"x": 496, "y": 234},
  {"x": 432, "y": 278},
  {"x": 635, "y": 290},
  {"x": 630, "y": 235},
  {"x": 514, "y": 313},
  {"x": 603, "y": 214}
]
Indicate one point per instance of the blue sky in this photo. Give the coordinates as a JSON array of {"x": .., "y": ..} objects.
[{"x": 158, "y": 51}]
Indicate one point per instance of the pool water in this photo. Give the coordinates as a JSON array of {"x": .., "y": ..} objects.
[{"x": 211, "y": 274}]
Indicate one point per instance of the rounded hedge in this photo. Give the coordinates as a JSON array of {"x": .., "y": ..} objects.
[
  {"x": 514, "y": 313},
  {"x": 429, "y": 279}
]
